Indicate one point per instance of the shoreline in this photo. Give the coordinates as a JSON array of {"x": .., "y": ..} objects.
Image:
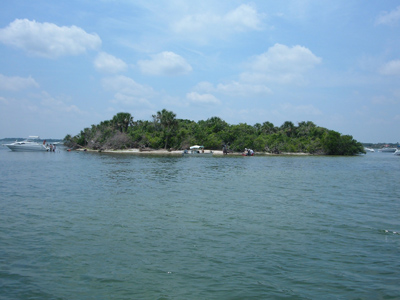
[{"x": 137, "y": 151}]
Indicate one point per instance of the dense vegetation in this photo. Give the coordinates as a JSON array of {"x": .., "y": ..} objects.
[{"x": 165, "y": 131}]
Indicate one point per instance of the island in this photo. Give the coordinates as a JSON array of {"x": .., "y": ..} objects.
[{"x": 165, "y": 133}]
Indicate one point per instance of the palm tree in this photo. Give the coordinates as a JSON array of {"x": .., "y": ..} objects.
[
  {"x": 121, "y": 121},
  {"x": 268, "y": 127},
  {"x": 168, "y": 122},
  {"x": 304, "y": 128},
  {"x": 288, "y": 128}
]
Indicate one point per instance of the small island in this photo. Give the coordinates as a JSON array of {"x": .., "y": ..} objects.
[{"x": 167, "y": 133}]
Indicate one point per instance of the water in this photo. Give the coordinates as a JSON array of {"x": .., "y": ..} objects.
[{"x": 100, "y": 226}]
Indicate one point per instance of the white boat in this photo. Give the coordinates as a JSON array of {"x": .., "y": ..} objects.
[
  {"x": 30, "y": 144},
  {"x": 369, "y": 149},
  {"x": 397, "y": 152},
  {"x": 196, "y": 151},
  {"x": 388, "y": 149}
]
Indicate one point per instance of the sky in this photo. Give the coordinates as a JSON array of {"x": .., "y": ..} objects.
[{"x": 68, "y": 65}]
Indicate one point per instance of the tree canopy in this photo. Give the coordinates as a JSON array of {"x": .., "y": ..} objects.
[{"x": 168, "y": 132}]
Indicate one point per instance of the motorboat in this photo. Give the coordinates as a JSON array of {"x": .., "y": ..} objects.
[
  {"x": 397, "y": 152},
  {"x": 386, "y": 148},
  {"x": 30, "y": 144},
  {"x": 196, "y": 151},
  {"x": 368, "y": 149}
]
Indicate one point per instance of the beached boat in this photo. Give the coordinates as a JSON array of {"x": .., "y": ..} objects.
[
  {"x": 31, "y": 144},
  {"x": 248, "y": 152},
  {"x": 196, "y": 151}
]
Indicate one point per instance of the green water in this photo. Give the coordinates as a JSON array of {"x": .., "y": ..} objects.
[{"x": 98, "y": 226}]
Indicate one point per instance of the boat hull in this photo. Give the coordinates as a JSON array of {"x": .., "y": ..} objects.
[
  {"x": 390, "y": 150},
  {"x": 27, "y": 148}
]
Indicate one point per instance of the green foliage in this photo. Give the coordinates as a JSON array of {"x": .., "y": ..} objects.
[
  {"x": 336, "y": 144},
  {"x": 121, "y": 121},
  {"x": 165, "y": 131},
  {"x": 167, "y": 121}
]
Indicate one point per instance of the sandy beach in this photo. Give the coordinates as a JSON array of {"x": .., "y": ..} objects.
[{"x": 179, "y": 152}]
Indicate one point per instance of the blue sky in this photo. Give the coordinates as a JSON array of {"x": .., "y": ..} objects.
[{"x": 65, "y": 65}]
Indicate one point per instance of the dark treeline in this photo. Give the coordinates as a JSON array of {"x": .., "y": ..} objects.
[{"x": 165, "y": 131}]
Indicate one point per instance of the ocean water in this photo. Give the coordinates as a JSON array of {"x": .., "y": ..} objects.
[{"x": 77, "y": 225}]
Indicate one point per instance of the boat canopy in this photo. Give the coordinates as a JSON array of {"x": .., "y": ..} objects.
[{"x": 196, "y": 147}]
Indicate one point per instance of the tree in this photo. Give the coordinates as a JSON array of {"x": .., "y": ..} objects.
[
  {"x": 68, "y": 138},
  {"x": 165, "y": 131},
  {"x": 241, "y": 136},
  {"x": 336, "y": 144},
  {"x": 121, "y": 121},
  {"x": 168, "y": 122},
  {"x": 304, "y": 128},
  {"x": 215, "y": 124},
  {"x": 288, "y": 128},
  {"x": 268, "y": 128}
]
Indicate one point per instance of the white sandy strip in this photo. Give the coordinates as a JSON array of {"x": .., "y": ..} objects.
[{"x": 179, "y": 152}]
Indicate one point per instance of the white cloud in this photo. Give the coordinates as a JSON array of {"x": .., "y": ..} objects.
[
  {"x": 243, "y": 18},
  {"x": 234, "y": 89},
  {"x": 391, "y": 68},
  {"x": 205, "y": 86},
  {"x": 197, "y": 98},
  {"x": 382, "y": 100},
  {"x": 127, "y": 91},
  {"x": 300, "y": 110},
  {"x": 51, "y": 105},
  {"x": 202, "y": 26},
  {"x": 47, "y": 39},
  {"x": 165, "y": 63},
  {"x": 389, "y": 18},
  {"x": 108, "y": 63},
  {"x": 281, "y": 58},
  {"x": 16, "y": 83},
  {"x": 130, "y": 100},
  {"x": 280, "y": 64}
]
